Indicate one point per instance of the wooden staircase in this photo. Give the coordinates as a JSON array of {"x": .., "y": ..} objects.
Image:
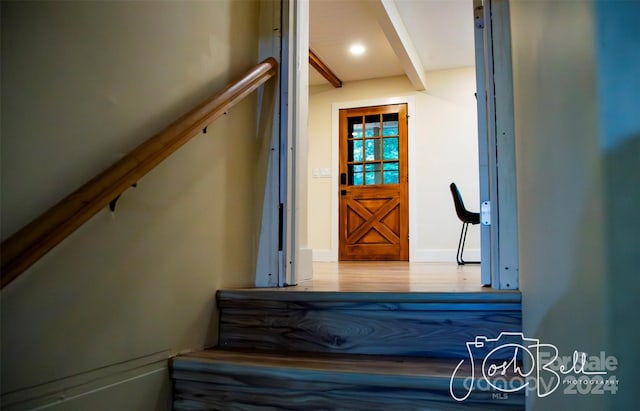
[{"x": 301, "y": 350}]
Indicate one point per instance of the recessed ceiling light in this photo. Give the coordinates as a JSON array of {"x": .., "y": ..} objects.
[{"x": 357, "y": 49}]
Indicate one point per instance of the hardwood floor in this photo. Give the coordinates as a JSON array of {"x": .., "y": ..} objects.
[{"x": 392, "y": 276}]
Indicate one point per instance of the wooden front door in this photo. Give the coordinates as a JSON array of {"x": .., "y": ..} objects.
[{"x": 374, "y": 209}]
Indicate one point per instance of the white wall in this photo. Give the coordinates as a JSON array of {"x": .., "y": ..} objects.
[
  {"x": 446, "y": 150},
  {"x": 82, "y": 83},
  {"x": 577, "y": 146}
]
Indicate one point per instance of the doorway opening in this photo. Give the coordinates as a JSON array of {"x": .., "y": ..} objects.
[{"x": 496, "y": 121}]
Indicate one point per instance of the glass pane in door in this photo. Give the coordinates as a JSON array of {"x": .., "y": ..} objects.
[
  {"x": 390, "y": 148},
  {"x": 390, "y": 124},
  {"x": 372, "y": 149},
  {"x": 372, "y": 174},
  {"x": 354, "y": 150},
  {"x": 355, "y": 127},
  {"x": 372, "y": 126}
]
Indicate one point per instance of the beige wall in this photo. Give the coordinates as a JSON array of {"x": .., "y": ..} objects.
[
  {"x": 445, "y": 151},
  {"x": 82, "y": 83},
  {"x": 578, "y": 144}
]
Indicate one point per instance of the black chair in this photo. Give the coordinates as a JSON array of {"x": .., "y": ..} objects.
[{"x": 467, "y": 217}]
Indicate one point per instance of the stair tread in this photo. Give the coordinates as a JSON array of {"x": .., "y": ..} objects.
[
  {"x": 354, "y": 363},
  {"x": 438, "y": 368}
]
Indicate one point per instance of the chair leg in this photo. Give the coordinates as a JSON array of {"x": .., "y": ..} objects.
[
  {"x": 461, "y": 242},
  {"x": 463, "y": 233}
]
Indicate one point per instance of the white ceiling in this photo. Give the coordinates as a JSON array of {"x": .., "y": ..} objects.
[{"x": 441, "y": 32}]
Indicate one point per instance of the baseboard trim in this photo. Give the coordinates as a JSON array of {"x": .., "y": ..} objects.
[
  {"x": 66, "y": 389},
  {"x": 325, "y": 255},
  {"x": 424, "y": 255},
  {"x": 304, "y": 266},
  {"x": 434, "y": 255}
]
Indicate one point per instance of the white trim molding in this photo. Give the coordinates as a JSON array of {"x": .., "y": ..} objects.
[
  {"x": 428, "y": 255},
  {"x": 325, "y": 255}
]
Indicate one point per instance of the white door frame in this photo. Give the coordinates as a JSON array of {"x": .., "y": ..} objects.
[
  {"x": 335, "y": 166},
  {"x": 496, "y": 144},
  {"x": 282, "y": 256},
  {"x": 295, "y": 258},
  {"x": 506, "y": 274},
  {"x": 500, "y": 142},
  {"x": 483, "y": 66},
  {"x": 268, "y": 248}
]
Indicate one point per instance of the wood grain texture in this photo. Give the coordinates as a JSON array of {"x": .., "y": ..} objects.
[
  {"x": 34, "y": 240},
  {"x": 373, "y": 218},
  {"x": 393, "y": 276},
  {"x": 424, "y": 329},
  {"x": 377, "y": 346},
  {"x": 324, "y": 70},
  {"x": 233, "y": 298},
  {"x": 224, "y": 380}
]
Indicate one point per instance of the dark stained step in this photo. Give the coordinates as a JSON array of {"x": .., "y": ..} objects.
[
  {"x": 406, "y": 324},
  {"x": 231, "y": 380}
]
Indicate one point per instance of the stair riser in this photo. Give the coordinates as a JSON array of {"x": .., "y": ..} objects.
[
  {"x": 387, "y": 329},
  {"x": 225, "y": 386},
  {"x": 200, "y": 396}
]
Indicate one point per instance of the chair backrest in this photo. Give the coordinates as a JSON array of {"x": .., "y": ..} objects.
[{"x": 461, "y": 211}]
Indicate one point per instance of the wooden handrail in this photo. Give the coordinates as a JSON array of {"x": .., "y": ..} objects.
[{"x": 33, "y": 241}]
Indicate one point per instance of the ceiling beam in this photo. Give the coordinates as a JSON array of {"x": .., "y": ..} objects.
[
  {"x": 398, "y": 36},
  {"x": 324, "y": 70}
]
